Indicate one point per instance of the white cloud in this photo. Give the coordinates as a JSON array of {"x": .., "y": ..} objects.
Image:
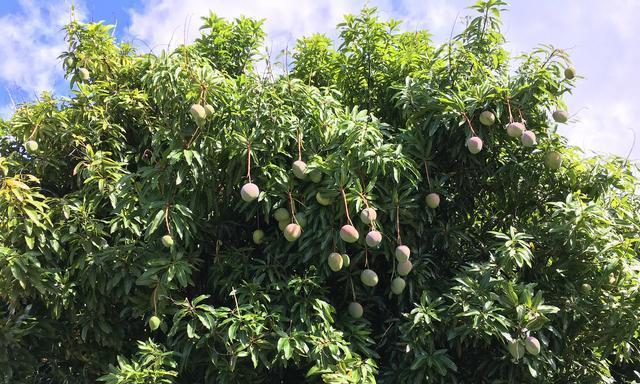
[
  {"x": 602, "y": 39},
  {"x": 159, "y": 22},
  {"x": 162, "y": 21},
  {"x": 31, "y": 42}
]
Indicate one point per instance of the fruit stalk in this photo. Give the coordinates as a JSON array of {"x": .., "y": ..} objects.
[
  {"x": 521, "y": 117},
  {"x": 509, "y": 109},
  {"x": 249, "y": 161},
  {"x": 166, "y": 218},
  {"x": 366, "y": 256},
  {"x": 398, "y": 239},
  {"x": 466, "y": 118},
  {"x": 353, "y": 290},
  {"x": 346, "y": 207},
  {"x": 154, "y": 297},
  {"x": 292, "y": 208},
  {"x": 426, "y": 168},
  {"x": 299, "y": 144}
]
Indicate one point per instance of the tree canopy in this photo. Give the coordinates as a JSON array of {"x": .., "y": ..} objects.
[{"x": 379, "y": 209}]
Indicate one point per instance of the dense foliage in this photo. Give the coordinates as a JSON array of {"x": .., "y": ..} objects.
[{"x": 128, "y": 255}]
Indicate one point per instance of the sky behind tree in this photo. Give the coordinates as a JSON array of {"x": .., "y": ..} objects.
[{"x": 602, "y": 38}]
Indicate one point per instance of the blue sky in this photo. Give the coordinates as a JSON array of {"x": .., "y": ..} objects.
[{"x": 602, "y": 37}]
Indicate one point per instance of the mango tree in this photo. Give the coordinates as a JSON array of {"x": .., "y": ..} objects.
[{"x": 382, "y": 209}]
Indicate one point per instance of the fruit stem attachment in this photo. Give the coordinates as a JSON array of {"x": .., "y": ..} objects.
[
  {"x": 33, "y": 132},
  {"x": 166, "y": 218},
  {"x": 466, "y": 118},
  {"x": 292, "y": 208},
  {"x": 509, "y": 109},
  {"x": 398, "y": 238},
  {"x": 366, "y": 256},
  {"x": 521, "y": 117},
  {"x": 364, "y": 197},
  {"x": 353, "y": 290},
  {"x": 426, "y": 168},
  {"x": 203, "y": 90},
  {"x": 154, "y": 297},
  {"x": 299, "y": 136},
  {"x": 249, "y": 161},
  {"x": 366, "y": 204},
  {"x": 346, "y": 207}
]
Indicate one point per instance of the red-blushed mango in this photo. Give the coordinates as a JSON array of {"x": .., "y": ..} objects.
[
  {"x": 404, "y": 268},
  {"x": 528, "y": 139},
  {"x": 373, "y": 239},
  {"x": 515, "y": 129},
  {"x": 368, "y": 215},
  {"x": 249, "y": 192},
  {"x": 292, "y": 232},
  {"x": 402, "y": 253},
  {"x": 433, "y": 200},
  {"x": 349, "y": 233},
  {"x": 560, "y": 116},
  {"x": 474, "y": 145},
  {"x": 532, "y": 345}
]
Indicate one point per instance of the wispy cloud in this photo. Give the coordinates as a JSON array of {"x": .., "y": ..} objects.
[
  {"x": 601, "y": 37},
  {"x": 31, "y": 42},
  {"x": 159, "y": 22}
]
